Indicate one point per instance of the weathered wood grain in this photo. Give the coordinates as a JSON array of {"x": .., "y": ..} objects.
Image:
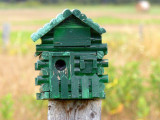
[{"x": 74, "y": 110}]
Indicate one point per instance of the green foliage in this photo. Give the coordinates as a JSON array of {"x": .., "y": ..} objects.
[
  {"x": 6, "y": 107},
  {"x": 143, "y": 108},
  {"x": 129, "y": 90},
  {"x": 126, "y": 90},
  {"x": 32, "y": 104},
  {"x": 113, "y": 20},
  {"x": 155, "y": 83},
  {"x": 18, "y": 43},
  {"x": 100, "y": 20},
  {"x": 130, "y": 82}
]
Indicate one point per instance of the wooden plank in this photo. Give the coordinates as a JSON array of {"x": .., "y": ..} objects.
[
  {"x": 54, "y": 87},
  {"x": 95, "y": 86},
  {"x": 48, "y": 39},
  {"x": 101, "y": 89},
  {"x": 50, "y": 47},
  {"x": 103, "y": 78},
  {"x": 69, "y": 36},
  {"x": 74, "y": 87},
  {"x": 64, "y": 87},
  {"x": 40, "y": 80},
  {"x": 103, "y": 63},
  {"x": 41, "y": 64},
  {"x": 85, "y": 87},
  {"x": 44, "y": 87}
]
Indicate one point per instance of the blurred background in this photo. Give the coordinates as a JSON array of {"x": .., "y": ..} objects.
[{"x": 133, "y": 37}]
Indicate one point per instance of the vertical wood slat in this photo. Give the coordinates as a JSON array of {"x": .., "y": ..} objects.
[
  {"x": 85, "y": 87},
  {"x": 74, "y": 87},
  {"x": 101, "y": 89},
  {"x": 64, "y": 87},
  {"x": 95, "y": 86},
  {"x": 55, "y": 87}
]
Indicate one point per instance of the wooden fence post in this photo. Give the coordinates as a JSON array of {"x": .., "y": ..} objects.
[
  {"x": 74, "y": 109},
  {"x": 5, "y": 34}
]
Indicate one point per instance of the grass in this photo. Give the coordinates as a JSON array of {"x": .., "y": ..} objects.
[
  {"x": 101, "y": 20},
  {"x": 133, "y": 91},
  {"x": 123, "y": 21}
]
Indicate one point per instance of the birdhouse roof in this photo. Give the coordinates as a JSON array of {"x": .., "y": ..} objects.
[{"x": 61, "y": 17}]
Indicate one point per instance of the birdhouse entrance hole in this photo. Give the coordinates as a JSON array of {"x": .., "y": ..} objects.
[{"x": 60, "y": 65}]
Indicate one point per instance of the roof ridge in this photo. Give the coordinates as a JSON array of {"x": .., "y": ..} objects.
[{"x": 61, "y": 17}]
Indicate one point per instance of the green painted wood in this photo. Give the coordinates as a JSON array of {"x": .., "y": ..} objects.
[
  {"x": 85, "y": 87},
  {"x": 45, "y": 71},
  {"x": 44, "y": 87},
  {"x": 88, "y": 67},
  {"x": 61, "y": 17},
  {"x": 46, "y": 95},
  {"x": 71, "y": 60},
  {"x": 67, "y": 35},
  {"x": 49, "y": 47},
  {"x": 44, "y": 56},
  {"x": 41, "y": 64},
  {"x": 54, "y": 87},
  {"x": 42, "y": 96},
  {"x": 50, "y": 40},
  {"x": 74, "y": 87},
  {"x": 94, "y": 63},
  {"x": 37, "y": 54},
  {"x": 66, "y": 68},
  {"x": 47, "y": 39},
  {"x": 77, "y": 63},
  {"x": 64, "y": 87},
  {"x": 38, "y": 96},
  {"x": 82, "y": 64},
  {"x": 77, "y": 70},
  {"x": 100, "y": 71},
  {"x": 101, "y": 89},
  {"x": 104, "y": 78},
  {"x": 96, "y": 38},
  {"x": 72, "y": 22},
  {"x": 88, "y": 57},
  {"x": 100, "y": 54},
  {"x": 40, "y": 80},
  {"x": 95, "y": 86},
  {"x": 103, "y": 63}
]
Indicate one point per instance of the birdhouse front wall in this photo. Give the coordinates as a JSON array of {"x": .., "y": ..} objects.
[{"x": 71, "y": 75}]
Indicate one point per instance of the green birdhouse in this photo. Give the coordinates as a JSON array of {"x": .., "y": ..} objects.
[{"x": 71, "y": 60}]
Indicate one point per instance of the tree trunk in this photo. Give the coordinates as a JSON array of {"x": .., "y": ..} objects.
[{"x": 74, "y": 110}]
